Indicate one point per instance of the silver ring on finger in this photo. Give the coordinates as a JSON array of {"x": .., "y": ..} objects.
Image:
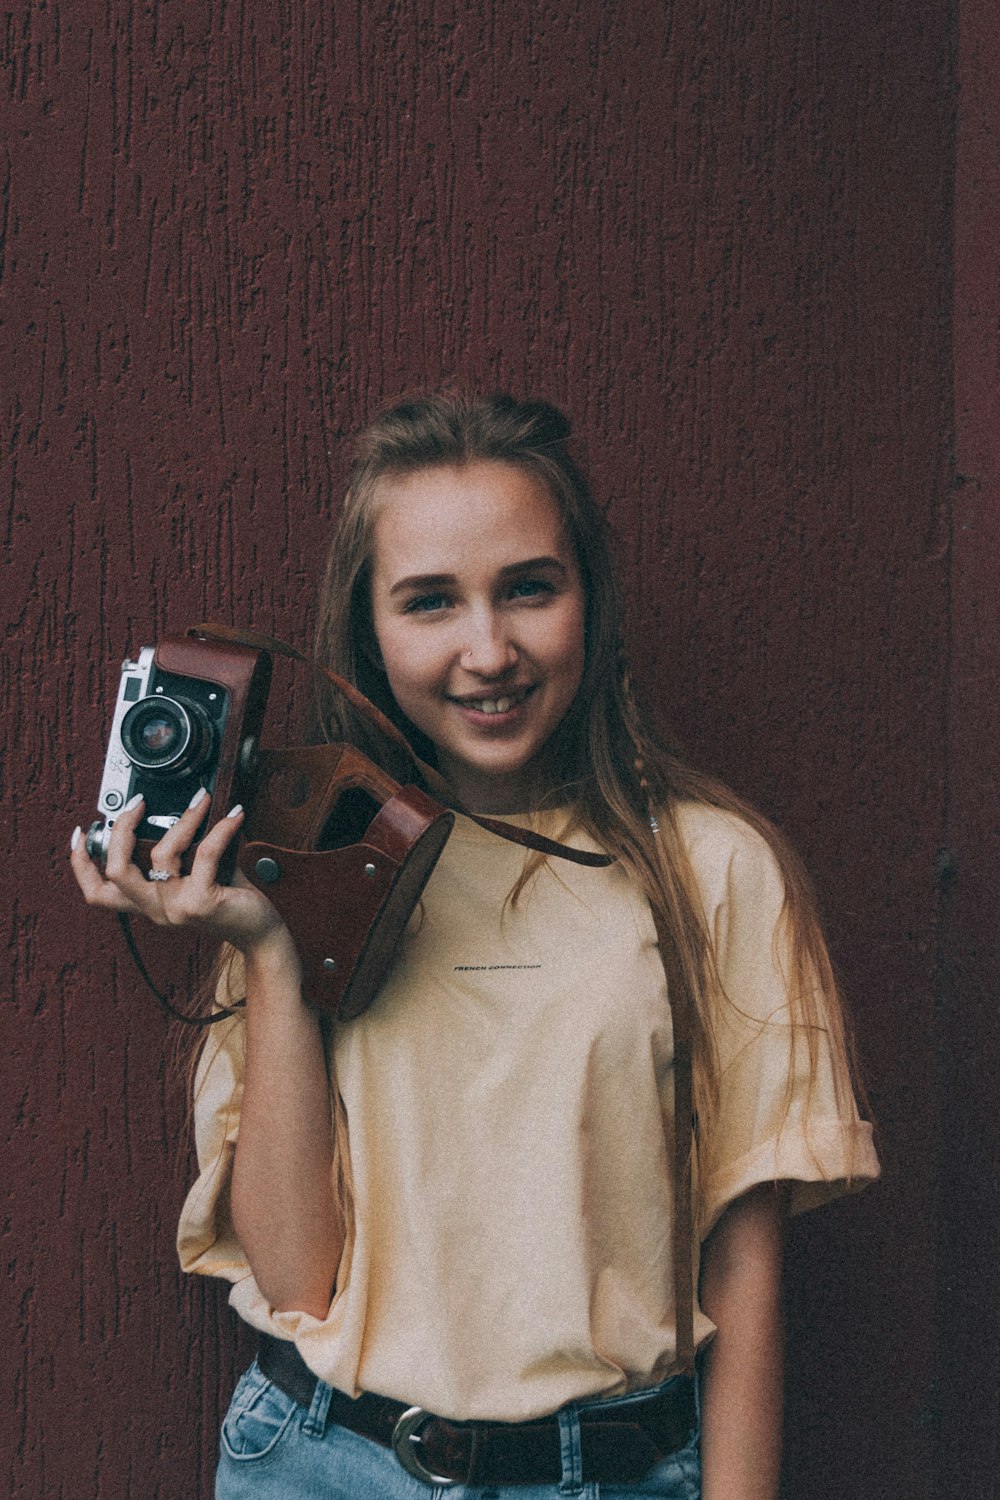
[{"x": 160, "y": 875}]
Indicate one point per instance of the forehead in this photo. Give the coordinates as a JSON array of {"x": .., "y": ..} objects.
[{"x": 442, "y": 519}]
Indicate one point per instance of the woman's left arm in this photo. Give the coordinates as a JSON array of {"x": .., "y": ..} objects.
[{"x": 742, "y": 1397}]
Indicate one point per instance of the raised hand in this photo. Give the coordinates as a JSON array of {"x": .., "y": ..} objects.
[{"x": 236, "y": 913}]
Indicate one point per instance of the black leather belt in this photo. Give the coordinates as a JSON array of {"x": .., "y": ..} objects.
[{"x": 620, "y": 1440}]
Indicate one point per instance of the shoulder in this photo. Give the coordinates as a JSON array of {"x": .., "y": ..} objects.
[{"x": 730, "y": 859}]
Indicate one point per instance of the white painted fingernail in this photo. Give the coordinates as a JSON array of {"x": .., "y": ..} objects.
[
  {"x": 133, "y": 802},
  {"x": 75, "y": 837},
  {"x": 199, "y": 796},
  {"x": 234, "y": 812}
]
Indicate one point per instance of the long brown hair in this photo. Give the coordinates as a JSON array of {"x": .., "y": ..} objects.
[{"x": 617, "y": 777}]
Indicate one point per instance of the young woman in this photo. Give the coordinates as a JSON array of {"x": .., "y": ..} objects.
[{"x": 453, "y": 1218}]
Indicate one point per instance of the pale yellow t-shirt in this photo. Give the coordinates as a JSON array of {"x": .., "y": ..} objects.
[{"x": 509, "y": 1099}]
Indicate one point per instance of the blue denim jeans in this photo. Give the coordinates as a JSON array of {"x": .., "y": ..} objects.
[{"x": 273, "y": 1449}]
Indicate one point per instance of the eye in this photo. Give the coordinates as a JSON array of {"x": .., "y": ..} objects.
[
  {"x": 425, "y": 604},
  {"x": 531, "y": 588}
]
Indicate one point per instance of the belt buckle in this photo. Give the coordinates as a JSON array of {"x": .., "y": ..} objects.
[{"x": 406, "y": 1437}]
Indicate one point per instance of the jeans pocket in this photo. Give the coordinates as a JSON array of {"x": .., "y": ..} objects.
[
  {"x": 260, "y": 1415},
  {"x": 675, "y": 1478}
]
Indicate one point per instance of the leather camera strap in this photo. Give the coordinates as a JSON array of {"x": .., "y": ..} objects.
[
  {"x": 683, "y": 1228},
  {"x": 433, "y": 779}
]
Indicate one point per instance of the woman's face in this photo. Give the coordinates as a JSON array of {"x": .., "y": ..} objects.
[{"x": 478, "y": 610}]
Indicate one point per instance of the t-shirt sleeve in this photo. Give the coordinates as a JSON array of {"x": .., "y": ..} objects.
[
  {"x": 785, "y": 1113},
  {"x": 206, "y": 1240}
]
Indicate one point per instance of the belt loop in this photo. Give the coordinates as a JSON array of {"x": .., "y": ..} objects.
[
  {"x": 315, "y": 1422},
  {"x": 570, "y": 1451}
]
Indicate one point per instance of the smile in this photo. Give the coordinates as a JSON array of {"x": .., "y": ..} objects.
[{"x": 500, "y": 705}]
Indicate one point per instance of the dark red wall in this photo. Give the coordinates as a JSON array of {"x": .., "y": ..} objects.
[
  {"x": 721, "y": 234},
  {"x": 969, "y": 976}
]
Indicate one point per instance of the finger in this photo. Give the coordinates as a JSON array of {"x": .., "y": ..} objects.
[
  {"x": 205, "y": 868},
  {"x": 118, "y": 866},
  {"x": 96, "y": 890},
  {"x": 121, "y": 840},
  {"x": 166, "y": 852}
]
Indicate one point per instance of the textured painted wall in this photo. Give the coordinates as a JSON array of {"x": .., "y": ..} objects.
[
  {"x": 970, "y": 969},
  {"x": 718, "y": 233}
]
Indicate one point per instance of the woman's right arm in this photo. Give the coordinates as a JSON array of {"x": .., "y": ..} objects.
[{"x": 282, "y": 1195}]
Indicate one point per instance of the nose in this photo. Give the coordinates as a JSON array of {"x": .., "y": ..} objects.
[{"x": 487, "y": 648}]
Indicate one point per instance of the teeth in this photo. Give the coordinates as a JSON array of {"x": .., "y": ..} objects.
[{"x": 496, "y": 705}]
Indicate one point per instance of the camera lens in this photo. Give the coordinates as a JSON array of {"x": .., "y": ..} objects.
[{"x": 165, "y": 737}]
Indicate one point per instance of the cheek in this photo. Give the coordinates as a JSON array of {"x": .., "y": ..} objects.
[
  {"x": 574, "y": 645},
  {"x": 564, "y": 656},
  {"x": 409, "y": 664}
]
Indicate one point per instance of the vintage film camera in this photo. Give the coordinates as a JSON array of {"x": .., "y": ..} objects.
[{"x": 188, "y": 715}]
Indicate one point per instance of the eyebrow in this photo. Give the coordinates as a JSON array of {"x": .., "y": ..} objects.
[{"x": 438, "y": 580}]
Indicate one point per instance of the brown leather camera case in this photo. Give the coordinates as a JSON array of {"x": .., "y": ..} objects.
[{"x": 347, "y": 905}]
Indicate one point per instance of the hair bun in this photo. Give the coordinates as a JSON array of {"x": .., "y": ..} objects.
[
  {"x": 555, "y": 423},
  {"x": 547, "y": 423}
]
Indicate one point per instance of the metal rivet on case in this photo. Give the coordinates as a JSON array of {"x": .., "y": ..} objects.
[
  {"x": 369, "y": 871},
  {"x": 329, "y": 964},
  {"x": 268, "y": 871}
]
